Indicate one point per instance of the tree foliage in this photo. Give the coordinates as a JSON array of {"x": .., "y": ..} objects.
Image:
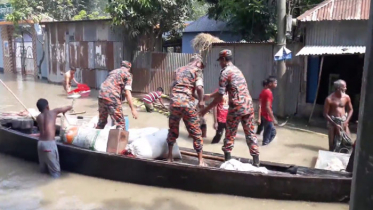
[
  {"x": 149, "y": 17},
  {"x": 253, "y": 19},
  {"x": 198, "y": 9}
]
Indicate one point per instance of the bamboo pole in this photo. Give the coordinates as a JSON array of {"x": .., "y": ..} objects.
[{"x": 17, "y": 99}]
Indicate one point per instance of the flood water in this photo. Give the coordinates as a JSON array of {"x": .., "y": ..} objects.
[{"x": 23, "y": 187}]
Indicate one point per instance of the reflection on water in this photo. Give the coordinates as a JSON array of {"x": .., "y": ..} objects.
[{"x": 23, "y": 187}]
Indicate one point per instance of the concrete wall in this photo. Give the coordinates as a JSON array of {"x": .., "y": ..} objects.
[{"x": 188, "y": 37}]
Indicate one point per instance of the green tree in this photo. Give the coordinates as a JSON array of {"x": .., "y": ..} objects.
[
  {"x": 149, "y": 19},
  {"x": 253, "y": 19},
  {"x": 198, "y": 9}
]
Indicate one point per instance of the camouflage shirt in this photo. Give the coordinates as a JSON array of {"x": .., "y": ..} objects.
[
  {"x": 233, "y": 81},
  {"x": 117, "y": 81},
  {"x": 186, "y": 79}
]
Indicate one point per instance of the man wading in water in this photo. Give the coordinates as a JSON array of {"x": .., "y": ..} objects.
[
  {"x": 241, "y": 107},
  {"x": 335, "y": 112},
  {"x": 182, "y": 105},
  {"x": 68, "y": 77},
  {"x": 47, "y": 147}
]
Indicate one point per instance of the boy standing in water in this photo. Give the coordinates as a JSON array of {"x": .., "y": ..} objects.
[{"x": 47, "y": 147}]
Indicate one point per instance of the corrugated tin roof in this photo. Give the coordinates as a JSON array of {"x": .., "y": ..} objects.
[
  {"x": 338, "y": 10},
  {"x": 204, "y": 24},
  {"x": 331, "y": 50}
]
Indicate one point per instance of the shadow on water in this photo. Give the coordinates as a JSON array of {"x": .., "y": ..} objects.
[{"x": 157, "y": 204}]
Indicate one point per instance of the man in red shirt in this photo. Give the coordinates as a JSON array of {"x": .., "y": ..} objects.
[
  {"x": 266, "y": 100},
  {"x": 241, "y": 108}
]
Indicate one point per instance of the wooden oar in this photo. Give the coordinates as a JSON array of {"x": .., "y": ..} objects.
[
  {"x": 17, "y": 98},
  {"x": 204, "y": 156}
]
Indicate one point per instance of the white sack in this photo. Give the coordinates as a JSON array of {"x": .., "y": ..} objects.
[
  {"x": 93, "y": 123},
  {"x": 139, "y": 133},
  {"x": 235, "y": 165},
  {"x": 153, "y": 146},
  {"x": 93, "y": 139}
]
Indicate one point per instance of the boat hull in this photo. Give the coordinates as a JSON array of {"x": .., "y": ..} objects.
[{"x": 181, "y": 176}]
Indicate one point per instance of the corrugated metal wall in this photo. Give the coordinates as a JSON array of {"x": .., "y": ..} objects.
[
  {"x": 257, "y": 63},
  {"x": 152, "y": 70},
  {"x": 336, "y": 33},
  {"x": 93, "y": 47}
]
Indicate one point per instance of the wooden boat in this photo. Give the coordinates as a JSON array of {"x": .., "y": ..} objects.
[{"x": 283, "y": 181}]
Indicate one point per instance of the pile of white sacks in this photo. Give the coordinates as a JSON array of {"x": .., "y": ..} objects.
[{"x": 150, "y": 143}]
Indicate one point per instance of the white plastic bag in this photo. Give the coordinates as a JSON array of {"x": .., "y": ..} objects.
[
  {"x": 138, "y": 133},
  {"x": 153, "y": 146},
  {"x": 235, "y": 165}
]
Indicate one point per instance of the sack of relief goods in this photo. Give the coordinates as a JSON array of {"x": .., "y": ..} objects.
[
  {"x": 138, "y": 133},
  {"x": 235, "y": 165},
  {"x": 88, "y": 138},
  {"x": 153, "y": 146}
]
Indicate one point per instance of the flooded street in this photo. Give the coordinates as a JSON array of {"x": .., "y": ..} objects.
[{"x": 23, "y": 187}]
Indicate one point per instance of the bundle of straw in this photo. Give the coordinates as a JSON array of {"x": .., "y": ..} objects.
[{"x": 202, "y": 42}]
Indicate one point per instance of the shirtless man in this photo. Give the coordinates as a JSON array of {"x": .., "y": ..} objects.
[
  {"x": 68, "y": 77},
  {"x": 47, "y": 147},
  {"x": 335, "y": 111}
]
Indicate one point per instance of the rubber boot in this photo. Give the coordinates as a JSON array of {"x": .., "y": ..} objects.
[
  {"x": 256, "y": 160},
  {"x": 227, "y": 156}
]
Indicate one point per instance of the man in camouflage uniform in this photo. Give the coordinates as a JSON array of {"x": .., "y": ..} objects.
[
  {"x": 116, "y": 87},
  {"x": 240, "y": 106},
  {"x": 182, "y": 105}
]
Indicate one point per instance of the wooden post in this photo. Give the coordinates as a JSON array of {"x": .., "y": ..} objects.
[
  {"x": 362, "y": 181},
  {"x": 317, "y": 90}
]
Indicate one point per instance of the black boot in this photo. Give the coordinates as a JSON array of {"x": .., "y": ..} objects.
[
  {"x": 227, "y": 156},
  {"x": 256, "y": 160}
]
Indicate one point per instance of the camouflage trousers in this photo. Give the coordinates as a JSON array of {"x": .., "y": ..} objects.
[
  {"x": 192, "y": 122},
  {"x": 247, "y": 122},
  {"x": 114, "y": 109}
]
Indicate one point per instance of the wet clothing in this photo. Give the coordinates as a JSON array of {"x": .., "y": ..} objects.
[
  {"x": 241, "y": 108},
  {"x": 106, "y": 108},
  {"x": 342, "y": 142},
  {"x": 113, "y": 87},
  {"x": 149, "y": 107},
  {"x": 269, "y": 131},
  {"x": 183, "y": 104},
  {"x": 191, "y": 120},
  {"x": 49, "y": 161},
  {"x": 110, "y": 97},
  {"x": 266, "y": 96},
  {"x": 247, "y": 122}
]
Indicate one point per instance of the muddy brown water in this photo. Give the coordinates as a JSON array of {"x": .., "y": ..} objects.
[{"x": 23, "y": 187}]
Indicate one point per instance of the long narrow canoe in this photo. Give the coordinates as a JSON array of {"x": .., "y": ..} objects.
[{"x": 287, "y": 182}]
